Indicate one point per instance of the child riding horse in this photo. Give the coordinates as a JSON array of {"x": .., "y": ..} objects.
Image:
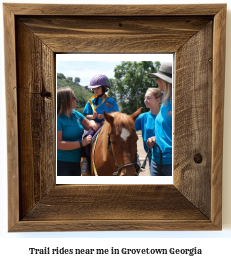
[{"x": 95, "y": 107}]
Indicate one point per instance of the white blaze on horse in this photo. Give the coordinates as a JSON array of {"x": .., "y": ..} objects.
[{"x": 115, "y": 150}]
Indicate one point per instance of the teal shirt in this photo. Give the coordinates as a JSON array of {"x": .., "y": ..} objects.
[
  {"x": 72, "y": 130},
  {"x": 108, "y": 106},
  {"x": 146, "y": 123},
  {"x": 163, "y": 129}
]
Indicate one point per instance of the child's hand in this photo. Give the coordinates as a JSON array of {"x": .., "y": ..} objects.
[
  {"x": 95, "y": 114},
  {"x": 87, "y": 140},
  {"x": 100, "y": 116}
]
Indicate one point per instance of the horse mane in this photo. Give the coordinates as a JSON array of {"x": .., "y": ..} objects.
[{"x": 121, "y": 120}]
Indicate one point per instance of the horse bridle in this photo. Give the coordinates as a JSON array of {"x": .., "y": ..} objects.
[{"x": 137, "y": 167}]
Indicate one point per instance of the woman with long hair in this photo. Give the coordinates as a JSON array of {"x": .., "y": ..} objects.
[
  {"x": 70, "y": 128},
  {"x": 146, "y": 121},
  {"x": 162, "y": 141}
]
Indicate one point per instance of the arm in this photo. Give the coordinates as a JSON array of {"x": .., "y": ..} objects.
[
  {"x": 93, "y": 116},
  {"x": 90, "y": 124},
  {"x": 70, "y": 145}
]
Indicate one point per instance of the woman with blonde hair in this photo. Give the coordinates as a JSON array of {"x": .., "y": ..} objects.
[
  {"x": 146, "y": 121},
  {"x": 70, "y": 128},
  {"x": 162, "y": 152}
]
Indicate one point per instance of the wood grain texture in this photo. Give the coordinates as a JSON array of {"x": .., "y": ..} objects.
[
  {"x": 218, "y": 114},
  {"x": 193, "y": 128},
  {"x": 114, "y": 202},
  {"x": 191, "y": 202},
  {"x": 111, "y": 207},
  {"x": 36, "y": 105},
  {"x": 11, "y": 117},
  {"x": 114, "y": 225},
  {"x": 115, "y": 34},
  {"x": 115, "y": 10}
]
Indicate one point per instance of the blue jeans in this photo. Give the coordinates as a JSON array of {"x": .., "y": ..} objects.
[
  {"x": 164, "y": 170},
  {"x": 65, "y": 168}
]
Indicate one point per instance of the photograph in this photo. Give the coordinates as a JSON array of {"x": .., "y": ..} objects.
[{"x": 114, "y": 118}]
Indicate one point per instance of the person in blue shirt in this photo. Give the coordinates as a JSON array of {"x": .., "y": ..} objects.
[
  {"x": 70, "y": 127},
  {"x": 94, "y": 108},
  {"x": 146, "y": 121},
  {"x": 162, "y": 150},
  {"x": 99, "y": 102}
]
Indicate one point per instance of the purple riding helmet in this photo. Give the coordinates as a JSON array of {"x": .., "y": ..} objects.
[{"x": 99, "y": 80}]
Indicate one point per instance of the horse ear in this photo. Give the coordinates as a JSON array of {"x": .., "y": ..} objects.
[
  {"x": 109, "y": 118},
  {"x": 135, "y": 115}
]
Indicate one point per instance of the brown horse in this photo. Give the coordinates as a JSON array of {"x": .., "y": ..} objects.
[{"x": 115, "y": 150}]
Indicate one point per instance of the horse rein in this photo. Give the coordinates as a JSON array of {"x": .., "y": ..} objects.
[
  {"x": 155, "y": 143},
  {"x": 149, "y": 151},
  {"x": 137, "y": 167}
]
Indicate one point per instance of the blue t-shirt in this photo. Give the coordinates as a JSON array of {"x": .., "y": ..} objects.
[
  {"x": 72, "y": 130},
  {"x": 146, "y": 123},
  {"x": 163, "y": 129},
  {"x": 108, "y": 106}
]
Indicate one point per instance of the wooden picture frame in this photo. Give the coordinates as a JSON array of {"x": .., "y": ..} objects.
[{"x": 33, "y": 34}]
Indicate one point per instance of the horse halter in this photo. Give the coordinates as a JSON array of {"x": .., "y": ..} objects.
[{"x": 137, "y": 167}]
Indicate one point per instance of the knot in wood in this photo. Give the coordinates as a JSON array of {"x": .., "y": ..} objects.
[
  {"x": 45, "y": 94},
  {"x": 198, "y": 158}
]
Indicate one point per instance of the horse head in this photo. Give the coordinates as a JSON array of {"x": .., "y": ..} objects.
[{"x": 122, "y": 141}]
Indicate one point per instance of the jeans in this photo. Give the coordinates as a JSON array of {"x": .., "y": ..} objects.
[
  {"x": 156, "y": 170},
  {"x": 65, "y": 168}
]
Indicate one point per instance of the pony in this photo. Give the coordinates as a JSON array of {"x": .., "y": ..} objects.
[{"x": 114, "y": 152}]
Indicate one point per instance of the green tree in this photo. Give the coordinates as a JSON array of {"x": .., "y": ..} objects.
[
  {"x": 61, "y": 76},
  {"x": 77, "y": 80},
  {"x": 81, "y": 102},
  {"x": 113, "y": 91},
  {"x": 70, "y": 79},
  {"x": 131, "y": 83}
]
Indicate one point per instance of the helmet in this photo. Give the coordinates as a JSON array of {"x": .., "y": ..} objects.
[{"x": 99, "y": 80}]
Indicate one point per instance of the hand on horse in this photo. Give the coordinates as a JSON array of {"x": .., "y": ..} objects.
[
  {"x": 150, "y": 141},
  {"x": 87, "y": 140}
]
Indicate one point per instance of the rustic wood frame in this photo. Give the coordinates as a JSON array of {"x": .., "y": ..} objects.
[{"x": 33, "y": 33}]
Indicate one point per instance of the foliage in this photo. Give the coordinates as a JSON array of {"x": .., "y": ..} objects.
[
  {"x": 81, "y": 92},
  {"x": 130, "y": 84},
  {"x": 77, "y": 80},
  {"x": 61, "y": 76}
]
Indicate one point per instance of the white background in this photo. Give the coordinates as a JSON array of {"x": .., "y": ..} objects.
[{"x": 213, "y": 244}]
